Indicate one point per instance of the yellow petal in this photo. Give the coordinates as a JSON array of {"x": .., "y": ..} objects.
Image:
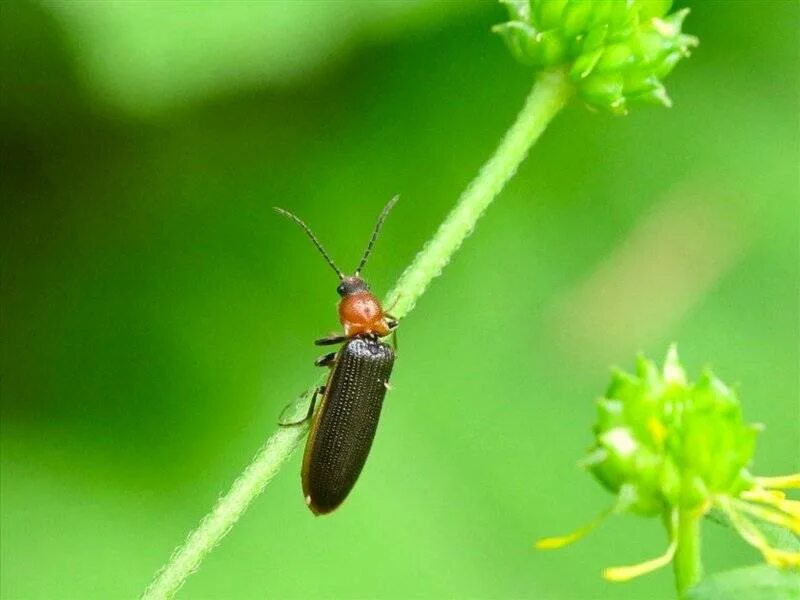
[
  {"x": 753, "y": 536},
  {"x": 631, "y": 571},
  {"x": 784, "y": 482},
  {"x": 791, "y": 507},
  {"x": 553, "y": 543},
  {"x": 744, "y": 528},
  {"x": 782, "y": 558},
  {"x": 761, "y": 495},
  {"x": 769, "y": 515},
  {"x": 774, "y": 498}
]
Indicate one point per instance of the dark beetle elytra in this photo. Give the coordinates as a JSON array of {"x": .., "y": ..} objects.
[
  {"x": 341, "y": 436},
  {"x": 344, "y": 426}
]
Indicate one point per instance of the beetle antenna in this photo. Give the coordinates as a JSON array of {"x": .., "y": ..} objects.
[
  {"x": 310, "y": 234},
  {"x": 375, "y": 232}
]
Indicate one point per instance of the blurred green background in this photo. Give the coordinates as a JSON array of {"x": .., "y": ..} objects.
[{"x": 157, "y": 315}]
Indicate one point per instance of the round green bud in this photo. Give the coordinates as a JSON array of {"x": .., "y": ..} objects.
[
  {"x": 666, "y": 442},
  {"x": 615, "y": 52}
]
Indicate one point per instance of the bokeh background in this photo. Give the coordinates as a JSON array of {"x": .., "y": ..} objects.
[{"x": 157, "y": 315}]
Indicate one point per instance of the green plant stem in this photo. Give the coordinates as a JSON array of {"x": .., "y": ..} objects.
[
  {"x": 548, "y": 97},
  {"x": 550, "y": 93},
  {"x": 185, "y": 560},
  {"x": 686, "y": 565}
]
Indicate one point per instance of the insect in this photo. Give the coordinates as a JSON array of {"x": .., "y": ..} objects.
[{"x": 343, "y": 427}]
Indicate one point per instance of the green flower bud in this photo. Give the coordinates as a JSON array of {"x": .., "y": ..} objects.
[
  {"x": 673, "y": 449},
  {"x": 615, "y": 52},
  {"x": 675, "y": 443}
]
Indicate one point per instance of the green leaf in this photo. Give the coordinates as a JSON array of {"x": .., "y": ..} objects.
[{"x": 760, "y": 582}]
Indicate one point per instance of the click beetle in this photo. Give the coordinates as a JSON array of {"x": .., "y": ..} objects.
[{"x": 343, "y": 427}]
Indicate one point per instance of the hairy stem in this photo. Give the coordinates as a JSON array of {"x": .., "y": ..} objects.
[
  {"x": 686, "y": 565},
  {"x": 185, "y": 560},
  {"x": 550, "y": 92},
  {"x": 548, "y": 96}
]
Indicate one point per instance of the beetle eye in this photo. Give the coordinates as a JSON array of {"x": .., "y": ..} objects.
[{"x": 340, "y": 289}]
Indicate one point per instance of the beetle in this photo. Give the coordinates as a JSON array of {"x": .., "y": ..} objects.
[{"x": 343, "y": 427}]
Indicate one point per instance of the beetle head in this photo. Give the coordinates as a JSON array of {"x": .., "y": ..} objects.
[{"x": 352, "y": 285}]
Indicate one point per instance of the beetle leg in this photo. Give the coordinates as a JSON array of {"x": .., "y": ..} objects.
[
  {"x": 394, "y": 340},
  {"x": 331, "y": 340},
  {"x": 326, "y": 360},
  {"x": 318, "y": 391}
]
